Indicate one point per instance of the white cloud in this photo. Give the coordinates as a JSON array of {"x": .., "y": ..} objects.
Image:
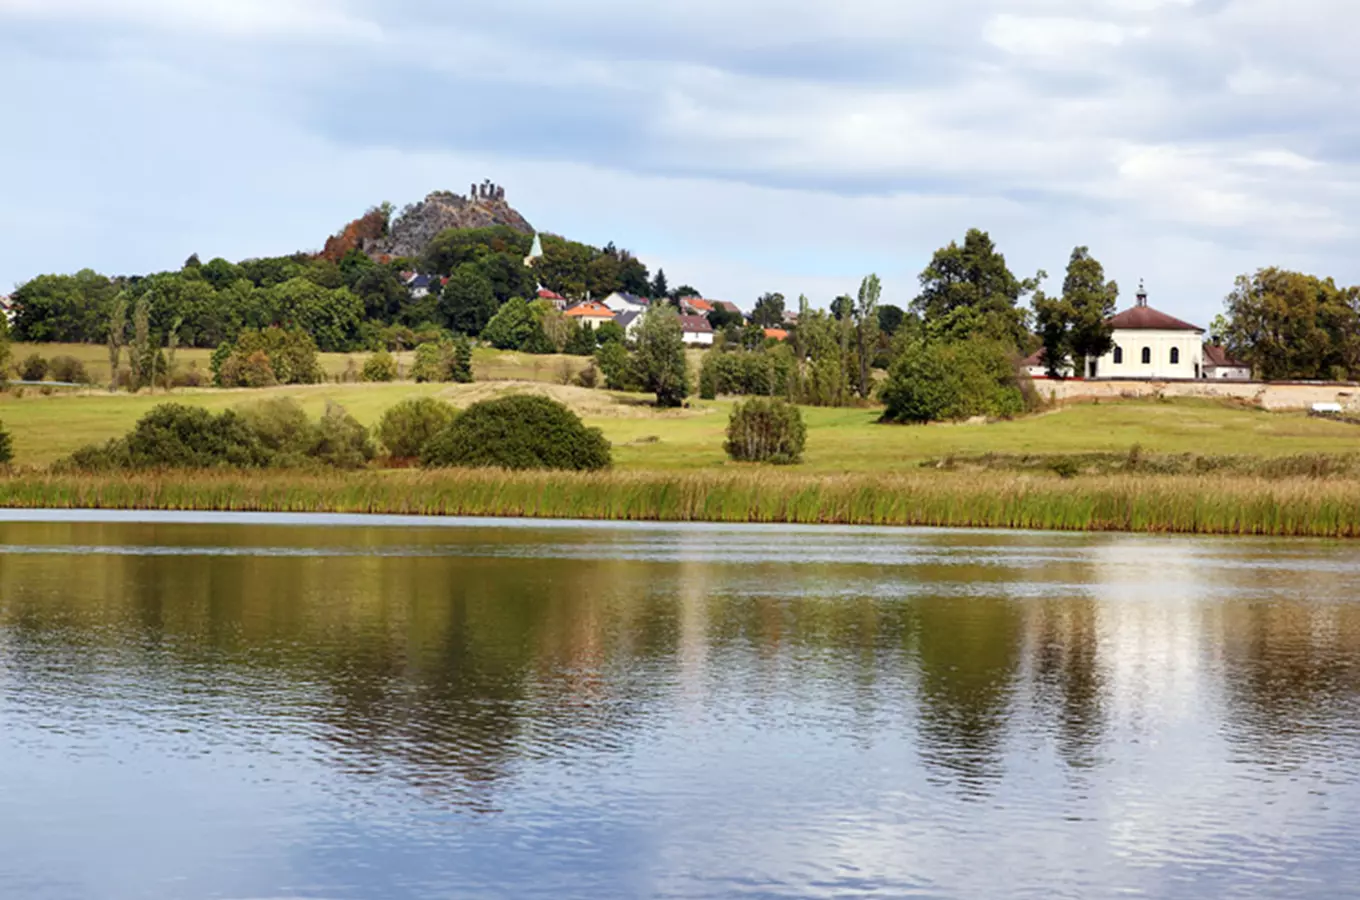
[{"x": 308, "y": 19}]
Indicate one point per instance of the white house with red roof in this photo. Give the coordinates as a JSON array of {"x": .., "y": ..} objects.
[
  {"x": 590, "y": 314},
  {"x": 1149, "y": 343}
]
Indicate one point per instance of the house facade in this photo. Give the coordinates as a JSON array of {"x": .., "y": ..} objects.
[
  {"x": 591, "y": 314},
  {"x": 1150, "y": 344},
  {"x": 696, "y": 331},
  {"x": 1220, "y": 366}
]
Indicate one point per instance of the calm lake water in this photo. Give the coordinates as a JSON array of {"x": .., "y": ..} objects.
[{"x": 218, "y": 707}]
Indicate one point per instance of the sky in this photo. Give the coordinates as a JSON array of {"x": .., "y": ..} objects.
[{"x": 744, "y": 146}]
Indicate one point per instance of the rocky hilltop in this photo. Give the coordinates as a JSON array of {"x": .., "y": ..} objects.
[{"x": 411, "y": 231}]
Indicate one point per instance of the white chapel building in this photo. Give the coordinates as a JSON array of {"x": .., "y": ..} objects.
[{"x": 1150, "y": 344}]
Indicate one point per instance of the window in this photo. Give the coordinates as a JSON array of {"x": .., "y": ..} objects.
[
  {"x": 1147, "y": 356},
  {"x": 1175, "y": 356},
  {"x": 1118, "y": 355}
]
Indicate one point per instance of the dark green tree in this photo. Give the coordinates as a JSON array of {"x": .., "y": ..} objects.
[
  {"x": 968, "y": 291},
  {"x": 660, "y": 356},
  {"x": 660, "y": 290},
  {"x": 468, "y": 301},
  {"x": 769, "y": 311}
]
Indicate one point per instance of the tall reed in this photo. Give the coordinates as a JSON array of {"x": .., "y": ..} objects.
[{"x": 1210, "y": 504}]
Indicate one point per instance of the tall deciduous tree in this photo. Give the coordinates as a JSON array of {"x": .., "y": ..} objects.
[
  {"x": 1075, "y": 327},
  {"x": 660, "y": 357},
  {"x": 468, "y": 301},
  {"x": 1291, "y": 325},
  {"x": 968, "y": 291},
  {"x": 117, "y": 337},
  {"x": 769, "y": 311},
  {"x": 866, "y": 329}
]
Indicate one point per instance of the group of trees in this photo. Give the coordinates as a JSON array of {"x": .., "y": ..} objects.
[{"x": 1290, "y": 325}]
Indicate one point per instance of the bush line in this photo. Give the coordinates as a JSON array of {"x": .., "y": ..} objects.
[{"x": 1156, "y": 504}]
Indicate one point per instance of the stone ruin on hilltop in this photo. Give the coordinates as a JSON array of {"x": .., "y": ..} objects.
[
  {"x": 485, "y": 206},
  {"x": 418, "y": 224}
]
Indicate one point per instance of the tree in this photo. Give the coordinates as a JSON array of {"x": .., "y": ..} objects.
[
  {"x": 684, "y": 291},
  {"x": 721, "y": 317},
  {"x": 968, "y": 291},
  {"x": 1291, "y": 325},
  {"x": 890, "y": 319},
  {"x": 660, "y": 357},
  {"x": 331, "y": 316},
  {"x": 935, "y": 381},
  {"x": 515, "y": 327},
  {"x": 769, "y": 311},
  {"x": 1090, "y": 300},
  {"x": 660, "y": 290},
  {"x": 117, "y": 338},
  {"x": 141, "y": 342},
  {"x": 171, "y": 347},
  {"x": 866, "y": 330},
  {"x": 407, "y": 427},
  {"x": 766, "y": 430},
  {"x": 843, "y": 307},
  {"x": 468, "y": 301}
]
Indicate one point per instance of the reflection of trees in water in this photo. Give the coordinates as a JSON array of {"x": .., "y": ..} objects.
[
  {"x": 1292, "y": 680},
  {"x": 969, "y": 652},
  {"x": 1070, "y": 685}
]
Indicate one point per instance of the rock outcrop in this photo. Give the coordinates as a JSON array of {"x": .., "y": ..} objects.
[
  {"x": 418, "y": 223},
  {"x": 413, "y": 230}
]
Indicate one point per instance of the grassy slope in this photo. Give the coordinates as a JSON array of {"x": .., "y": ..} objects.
[
  {"x": 839, "y": 440},
  {"x": 489, "y": 364}
]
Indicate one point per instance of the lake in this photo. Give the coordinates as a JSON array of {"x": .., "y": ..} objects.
[{"x": 200, "y": 706}]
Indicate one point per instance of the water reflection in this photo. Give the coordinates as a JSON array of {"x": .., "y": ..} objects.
[{"x": 693, "y": 711}]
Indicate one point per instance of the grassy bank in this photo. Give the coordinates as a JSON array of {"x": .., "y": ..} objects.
[{"x": 1166, "y": 504}]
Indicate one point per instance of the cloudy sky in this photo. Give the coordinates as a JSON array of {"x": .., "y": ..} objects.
[{"x": 743, "y": 145}]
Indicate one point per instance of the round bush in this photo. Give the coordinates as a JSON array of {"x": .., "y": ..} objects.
[
  {"x": 519, "y": 432},
  {"x": 766, "y": 430},
  {"x": 381, "y": 366},
  {"x": 406, "y": 428},
  {"x": 68, "y": 369},
  {"x": 33, "y": 368}
]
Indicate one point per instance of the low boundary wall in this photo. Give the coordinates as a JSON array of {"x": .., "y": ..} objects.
[{"x": 1272, "y": 396}]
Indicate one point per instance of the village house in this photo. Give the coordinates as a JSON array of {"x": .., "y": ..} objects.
[
  {"x": 695, "y": 306},
  {"x": 7, "y": 309},
  {"x": 620, "y": 301},
  {"x": 591, "y": 314},
  {"x": 696, "y": 331},
  {"x": 630, "y": 322},
  {"x": 1220, "y": 366}
]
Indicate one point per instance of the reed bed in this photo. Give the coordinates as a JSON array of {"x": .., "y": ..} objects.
[{"x": 1232, "y": 505}]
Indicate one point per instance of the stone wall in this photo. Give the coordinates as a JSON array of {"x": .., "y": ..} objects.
[{"x": 1274, "y": 396}]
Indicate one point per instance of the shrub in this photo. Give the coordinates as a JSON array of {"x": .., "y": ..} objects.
[
  {"x": 581, "y": 340},
  {"x": 68, "y": 369},
  {"x": 381, "y": 366},
  {"x": 191, "y": 377},
  {"x": 518, "y": 432},
  {"x": 762, "y": 430},
  {"x": 589, "y": 377},
  {"x": 460, "y": 366},
  {"x": 270, "y": 356},
  {"x": 187, "y": 437},
  {"x": 33, "y": 368},
  {"x": 408, "y": 426},
  {"x": 931, "y": 382},
  {"x": 340, "y": 440},
  {"x": 6, "y": 445},
  {"x": 282, "y": 427},
  {"x": 608, "y": 332}
]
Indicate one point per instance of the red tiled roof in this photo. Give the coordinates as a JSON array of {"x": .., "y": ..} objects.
[
  {"x": 700, "y": 304},
  {"x": 729, "y": 306},
  {"x": 1145, "y": 318},
  {"x": 695, "y": 325},
  {"x": 778, "y": 334},
  {"x": 1214, "y": 355},
  {"x": 545, "y": 294},
  {"x": 591, "y": 309}
]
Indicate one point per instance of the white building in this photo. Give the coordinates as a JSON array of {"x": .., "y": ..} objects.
[
  {"x": 1151, "y": 344},
  {"x": 620, "y": 302},
  {"x": 1219, "y": 366},
  {"x": 696, "y": 331}
]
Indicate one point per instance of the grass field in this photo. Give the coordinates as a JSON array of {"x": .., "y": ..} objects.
[
  {"x": 487, "y": 364},
  {"x": 45, "y": 428}
]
